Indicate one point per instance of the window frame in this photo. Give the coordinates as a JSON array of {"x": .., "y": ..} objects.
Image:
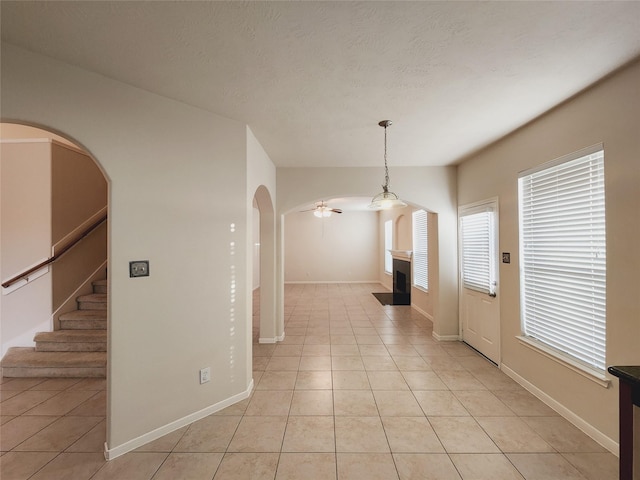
[
  {"x": 552, "y": 324},
  {"x": 418, "y": 255},
  {"x": 388, "y": 246}
]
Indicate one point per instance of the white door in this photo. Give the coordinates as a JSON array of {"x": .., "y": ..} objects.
[{"x": 479, "y": 303}]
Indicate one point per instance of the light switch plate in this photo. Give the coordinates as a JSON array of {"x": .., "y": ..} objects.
[
  {"x": 205, "y": 375},
  {"x": 139, "y": 268}
]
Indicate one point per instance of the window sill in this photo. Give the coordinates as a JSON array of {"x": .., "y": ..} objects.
[
  {"x": 422, "y": 289},
  {"x": 594, "y": 375}
]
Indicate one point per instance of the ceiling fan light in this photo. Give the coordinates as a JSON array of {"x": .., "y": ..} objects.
[
  {"x": 317, "y": 213},
  {"x": 326, "y": 213}
]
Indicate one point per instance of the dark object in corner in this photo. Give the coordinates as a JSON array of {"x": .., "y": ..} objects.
[{"x": 629, "y": 395}]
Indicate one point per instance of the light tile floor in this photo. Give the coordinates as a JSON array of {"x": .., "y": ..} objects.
[{"x": 355, "y": 391}]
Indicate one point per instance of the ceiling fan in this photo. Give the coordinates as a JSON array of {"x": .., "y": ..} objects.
[{"x": 323, "y": 210}]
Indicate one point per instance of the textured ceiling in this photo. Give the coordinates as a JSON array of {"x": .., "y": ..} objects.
[{"x": 312, "y": 79}]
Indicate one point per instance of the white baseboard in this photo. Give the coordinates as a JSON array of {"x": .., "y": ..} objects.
[
  {"x": 579, "y": 422},
  {"x": 422, "y": 312},
  {"x": 322, "y": 282},
  {"x": 111, "y": 453},
  {"x": 268, "y": 340},
  {"x": 446, "y": 338}
]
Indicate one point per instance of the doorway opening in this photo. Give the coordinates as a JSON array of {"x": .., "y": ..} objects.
[
  {"x": 264, "y": 325},
  {"x": 53, "y": 265}
]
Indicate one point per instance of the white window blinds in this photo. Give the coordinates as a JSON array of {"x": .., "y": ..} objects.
[
  {"x": 388, "y": 246},
  {"x": 420, "y": 250},
  {"x": 478, "y": 250},
  {"x": 563, "y": 256}
]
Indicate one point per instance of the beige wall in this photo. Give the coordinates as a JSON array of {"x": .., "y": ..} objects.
[
  {"x": 341, "y": 248},
  {"x": 169, "y": 165},
  {"x": 78, "y": 190},
  {"x": 17, "y": 131},
  {"x": 255, "y": 273},
  {"x": 75, "y": 270},
  {"x": 25, "y": 239},
  {"x": 78, "y": 197},
  {"x": 607, "y": 113},
  {"x": 26, "y": 205}
]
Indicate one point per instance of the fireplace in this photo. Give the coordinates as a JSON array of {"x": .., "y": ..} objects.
[
  {"x": 401, "y": 282},
  {"x": 401, "y": 267}
]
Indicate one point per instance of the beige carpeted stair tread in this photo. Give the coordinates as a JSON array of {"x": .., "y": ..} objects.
[
  {"x": 100, "y": 286},
  {"x": 84, "y": 315},
  {"x": 72, "y": 336},
  {"x": 28, "y": 357},
  {"x": 93, "y": 297}
]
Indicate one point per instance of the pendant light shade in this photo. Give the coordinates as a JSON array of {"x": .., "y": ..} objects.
[{"x": 386, "y": 199}]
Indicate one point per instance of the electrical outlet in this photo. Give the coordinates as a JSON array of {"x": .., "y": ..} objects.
[
  {"x": 139, "y": 268},
  {"x": 205, "y": 375}
]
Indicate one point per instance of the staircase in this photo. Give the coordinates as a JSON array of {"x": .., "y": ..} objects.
[{"x": 77, "y": 349}]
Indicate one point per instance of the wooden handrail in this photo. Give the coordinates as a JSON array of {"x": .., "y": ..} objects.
[{"x": 64, "y": 250}]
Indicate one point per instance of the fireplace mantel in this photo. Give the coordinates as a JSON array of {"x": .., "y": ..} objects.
[{"x": 401, "y": 254}]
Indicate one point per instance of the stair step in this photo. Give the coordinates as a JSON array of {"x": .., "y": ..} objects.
[
  {"x": 93, "y": 301},
  {"x": 71, "y": 341},
  {"x": 84, "y": 320},
  {"x": 100, "y": 286},
  {"x": 26, "y": 362}
]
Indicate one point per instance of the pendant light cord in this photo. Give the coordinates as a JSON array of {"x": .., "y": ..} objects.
[{"x": 385, "y": 187}]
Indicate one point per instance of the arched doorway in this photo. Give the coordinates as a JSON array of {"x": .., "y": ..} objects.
[
  {"x": 54, "y": 205},
  {"x": 264, "y": 254}
]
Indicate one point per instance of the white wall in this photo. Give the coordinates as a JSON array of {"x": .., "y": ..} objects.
[
  {"x": 608, "y": 113},
  {"x": 340, "y": 248},
  {"x": 261, "y": 188},
  {"x": 167, "y": 164},
  {"x": 25, "y": 240},
  {"x": 255, "y": 273},
  {"x": 431, "y": 187}
]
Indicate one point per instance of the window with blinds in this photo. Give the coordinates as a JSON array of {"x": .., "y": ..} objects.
[
  {"x": 563, "y": 256},
  {"x": 388, "y": 246},
  {"x": 420, "y": 251},
  {"x": 477, "y": 232}
]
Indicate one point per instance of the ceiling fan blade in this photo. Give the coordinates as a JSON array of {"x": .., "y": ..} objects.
[{"x": 336, "y": 210}]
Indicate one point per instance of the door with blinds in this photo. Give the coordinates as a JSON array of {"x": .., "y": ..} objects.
[{"x": 478, "y": 252}]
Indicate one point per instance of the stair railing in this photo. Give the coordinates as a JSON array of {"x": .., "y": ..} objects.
[{"x": 59, "y": 254}]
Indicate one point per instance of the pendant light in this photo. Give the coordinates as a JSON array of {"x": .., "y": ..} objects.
[{"x": 386, "y": 199}]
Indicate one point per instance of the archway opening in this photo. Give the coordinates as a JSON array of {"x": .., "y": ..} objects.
[
  {"x": 53, "y": 260},
  {"x": 264, "y": 269}
]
